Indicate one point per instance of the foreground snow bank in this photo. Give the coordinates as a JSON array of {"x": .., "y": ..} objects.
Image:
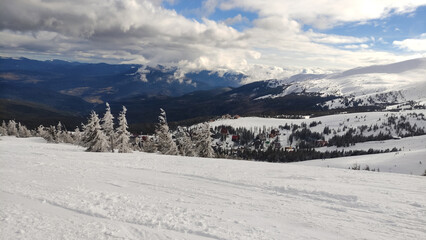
[{"x": 58, "y": 191}]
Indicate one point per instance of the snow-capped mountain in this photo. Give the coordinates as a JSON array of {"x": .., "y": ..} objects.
[{"x": 366, "y": 86}]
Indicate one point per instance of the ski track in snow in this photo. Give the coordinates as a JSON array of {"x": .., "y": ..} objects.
[{"x": 58, "y": 191}]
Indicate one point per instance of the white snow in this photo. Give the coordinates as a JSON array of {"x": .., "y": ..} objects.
[
  {"x": 58, "y": 191},
  {"x": 393, "y": 83},
  {"x": 333, "y": 121},
  {"x": 410, "y": 160},
  {"x": 336, "y": 123}
]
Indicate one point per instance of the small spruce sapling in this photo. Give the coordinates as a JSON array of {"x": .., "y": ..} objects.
[
  {"x": 3, "y": 129},
  {"x": 184, "y": 142},
  {"x": 203, "y": 141},
  {"x": 96, "y": 139},
  {"x": 108, "y": 126},
  {"x": 11, "y": 128},
  {"x": 165, "y": 143},
  {"x": 122, "y": 134}
]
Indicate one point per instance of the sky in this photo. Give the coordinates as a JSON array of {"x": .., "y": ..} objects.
[{"x": 262, "y": 39}]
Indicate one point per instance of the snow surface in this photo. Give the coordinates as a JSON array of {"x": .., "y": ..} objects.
[
  {"x": 410, "y": 160},
  {"x": 338, "y": 123},
  {"x": 333, "y": 121},
  {"x": 58, "y": 191}
]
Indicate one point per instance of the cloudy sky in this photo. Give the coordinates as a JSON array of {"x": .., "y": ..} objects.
[{"x": 267, "y": 38}]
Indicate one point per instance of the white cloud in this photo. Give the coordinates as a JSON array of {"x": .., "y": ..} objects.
[
  {"x": 142, "y": 71},
  {"x": 356, "y": 46},
  {"x": 334, "y": 39},
  {"x": 413, "y": 44},
  {"x": 209, "y": 6},
  {"x": 326, "y": 13},
  {"x": 237, "y": 19},
  {"x": 142, "y": 31}
]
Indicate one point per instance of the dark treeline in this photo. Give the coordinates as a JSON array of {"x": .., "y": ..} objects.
[{"x": 282, "y": 156}]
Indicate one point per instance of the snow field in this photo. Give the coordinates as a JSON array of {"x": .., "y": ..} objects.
[
  {"x": 58, "y": 191},
  {"x": 334, "y": 122}
]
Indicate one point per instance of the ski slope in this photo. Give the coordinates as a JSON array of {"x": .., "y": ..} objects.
[{"x": 58, "y": 191}]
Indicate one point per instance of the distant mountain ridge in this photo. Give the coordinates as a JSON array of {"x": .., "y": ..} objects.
[
  {"x": 100, "y": 82},
  {"x": 73, "y": 89},
  {"x": 383, "y": 85}
]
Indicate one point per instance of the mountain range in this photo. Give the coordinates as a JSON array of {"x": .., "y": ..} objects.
[
  {"x": 379, "y": 85},
  {"x": 67, "y": 91}
]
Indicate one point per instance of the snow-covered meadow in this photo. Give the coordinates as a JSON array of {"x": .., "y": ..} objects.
[
  {"x": 363, "y": 123},
  {"x": 58, "y": 191},
  {"x": 410, "y": 160}
]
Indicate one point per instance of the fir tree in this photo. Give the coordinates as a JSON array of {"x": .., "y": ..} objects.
[
  {"x": 66, "y": 137},
  {"x": 96, "y": 139},
  {"x": 51, "y": 135},
  {"x": 23, "y": 131},
  {"x": 108, "y": 126},
  {"x": 77, "y": 136},
  {"x": 138, "y": 144},
  {"x": 184, "y": 142},
  {"x": 86, "y": 132},
  {"x": 11, "y": 128},
  {"x": 59, "y": 127},
  {"x": 165, "y": 143},
  {"x": 59, "y": 132},
  {"x": 149, "y": 145},
  {"x": 3, "y": 129},
  {"x": 41, "y": 132},
  {"x": 123, "y": 135},
  {"x": 203, "y": 141},
  {"x": 62, "y": 134}
]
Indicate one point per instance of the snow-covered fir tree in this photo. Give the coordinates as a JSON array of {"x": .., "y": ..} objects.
[
  {"x": 183, "y": 142},
  {"x": 108, "y": 126},
  {"x": 149, "y": 145},
  {"x": 66, "y": 137},
  {"x": 203, "y": 141},
  {"x": 86, "y": 132},
  {"x": 165, "y": 143},
  {"x": 11, "y": 128},
  {"x": 77, "y": 136},
  {"x": 41, "y": 131},
  {"x": 138, "y": 144},
  {"x": 59, "y": 128},
  {"x": 51, "y": 135},
  {"x": 122, "y": 135},
  {"x": 3, "y": 129},
  {"x": 96, "y": 140},
  {"x": 63, "y": 135},
  {"x": 59, "y": 132},
  {"x": 23, "y": 131}
]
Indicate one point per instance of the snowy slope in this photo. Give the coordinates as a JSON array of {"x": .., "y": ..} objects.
[
  {"x": 410, "y": 160},
  {"x": 333, "y": 121},
  {"x": 337, "y": 123},
  {"x": 393, "y": 83},
  {"x": 407, "y": 162},
  {"x": 58, "y": 191}
]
